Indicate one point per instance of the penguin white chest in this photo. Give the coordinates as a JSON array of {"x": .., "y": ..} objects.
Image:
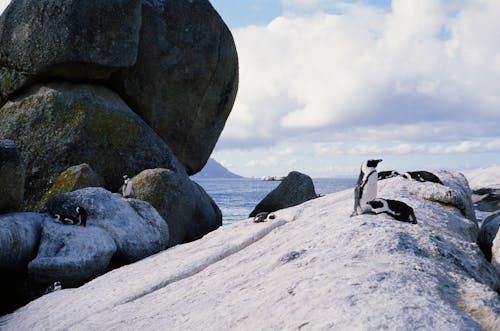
[{"x": 369, "y": 192}]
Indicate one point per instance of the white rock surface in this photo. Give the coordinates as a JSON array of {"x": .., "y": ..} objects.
[
  {"x": 312, "y": 268},
  {"x": 484, "y": 177}
]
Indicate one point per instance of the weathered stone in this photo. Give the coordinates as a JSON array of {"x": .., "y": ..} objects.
[
  {"x": 12, "y": 176},
  {"x": 296, "y": 188},
  {"x": 138, "y": 231},
  {"x": 12, "y": 81},
  {"x": 487, "y": 233},
  {"x": 19, "y": 238},
  {"x": 70, "y": 38},
  {"x": 72, "y": 179},
  {"x": 495, "y": 254},
  {"x": 188, "y": 210},
  {"x": 72, "y": 255},
  {"x": 487, "y": 199},
  {"x": 62, "y": 124},
  {"x": 185, "y": 80}
]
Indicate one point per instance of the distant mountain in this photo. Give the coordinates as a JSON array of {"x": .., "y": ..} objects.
[{"x": 214, "y": 169}]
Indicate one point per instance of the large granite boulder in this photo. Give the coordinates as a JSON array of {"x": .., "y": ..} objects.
[
  {"x": 12, "y": 176},
  {"x": 188, "y": 210},
  {"x": 495, "y": 254},
  {"x": 136, "y": 228},
  {"x": 70, "y": 38},
  {"x": 487, "y": 233},
  {"x": 11, "y": 81},
  {"x": 296, "y": 188},
  {"x": 19, "y": 239},
  {"x": 72, "y": 255},
  {"x": 185, "y": 79},
  {"x": 61, "y": 125},
  {"x": 72, "y": 179}
]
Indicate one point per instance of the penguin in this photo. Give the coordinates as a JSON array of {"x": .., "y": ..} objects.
[
  {"x": 54, "y": 287},
  {"x": 397, "y": 209},
  {"x": 422, "y": 176},
  {"x": 80, "y": 219},
  {"x": 366, "y": 187},
  {"x": 263, "y": 216},
  {"x": 387, "y": 174},
  {"x": 127, "y": 188}
]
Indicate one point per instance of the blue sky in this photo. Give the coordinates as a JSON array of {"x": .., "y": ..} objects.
[{"x": 325, "y": 84}]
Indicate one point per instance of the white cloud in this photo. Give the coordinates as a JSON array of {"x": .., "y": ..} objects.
[{"x": 426, "y": 66}]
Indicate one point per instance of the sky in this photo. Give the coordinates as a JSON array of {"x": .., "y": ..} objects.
[{"x": 326, "y": 84}]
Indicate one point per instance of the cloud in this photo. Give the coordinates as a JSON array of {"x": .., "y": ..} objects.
[{"x": 428, "y": 64}]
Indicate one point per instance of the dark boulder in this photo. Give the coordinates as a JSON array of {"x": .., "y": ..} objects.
[
  {"x": 61, "y": 125},
  {"x": 185, "y": 206},
  {"x": 185, "y": 79},
  {"x": 487, "y": 233},
  {"x": 12, "y": 176},
  {"x": 487, "y": 199},
  {"x": 70, "y": 38},
  {"x": 296, "y": 188}
]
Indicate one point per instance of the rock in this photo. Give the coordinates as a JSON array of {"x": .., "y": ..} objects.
[
  {"x": 495, "y": 254},
  {"x": 188, "y": 210},
  {"x": 12, "y": 176},
  {"x": 185, "y": 79},
  {"x": 19, "y": 238},
  {"x": 136, "y": 228},
  {"x": 355, "y": 273},
  {"x": 61, "y": 124},
  {"x": 72, "y": 179},
  {"x": 70, "y": 38},
  {"x": 487, "y": 199},
  {"x": 72, "y": 255},
  {"x": 296, "y": 188},
  {"x": 487, "y": 234},
  {"x": 11, "y": 81},
  {"x": 485, "y": 184}
]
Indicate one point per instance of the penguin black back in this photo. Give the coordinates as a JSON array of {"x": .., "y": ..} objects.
[{"x": 422, "y": 176}]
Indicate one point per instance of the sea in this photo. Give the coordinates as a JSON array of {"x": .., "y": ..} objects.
[{"x": 237, "y": 198}]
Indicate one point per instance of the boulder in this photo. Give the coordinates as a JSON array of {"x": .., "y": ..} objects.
[
  {"x": 296, "y": 188},
  {"x": 185, "y": 79},
  {"x": 19, "y": 239},
  {"x": 72, "y": 255},
  {"x": 137, "y": 230},
  {"x": 487, "y": 234},
  {"x": 11, "y": 81},
  {"x": 487, "y": 199},
  {"x": 62, "y": 124},
  {"x": 72, "y": 179},
  {"x": 70, "y": 38},
  {"x": 495, "y": 254},
  {"x": 188, "y": 210},
  {"x": 12, "y": 176}
]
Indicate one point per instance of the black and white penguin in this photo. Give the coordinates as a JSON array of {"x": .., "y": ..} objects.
[
  {"x": 263, "y": 216},
  {"x": 54, "y": 287},
  {"x": 127, "y": 188},
  {"x": 80, "y": 219},
  {"x": 397, "y": 209},
  {"x": 387, "y": 174},
  {"x": 422, "y": 176},
  {"x": 366, "y": 187}
]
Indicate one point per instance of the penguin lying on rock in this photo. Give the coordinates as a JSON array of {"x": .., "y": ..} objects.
[
  {"x": 387, "y": 174},
  {"x": 397, "y": 209},
  {"x": 422, "y": 176},
  {"x": 80, "y": 219},
  {"x": 264, "y": 216}
]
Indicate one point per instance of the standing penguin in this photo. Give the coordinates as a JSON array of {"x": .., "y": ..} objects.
[
  {"x": 127, "y": 188},
  {"x": 366, "y": 187}
]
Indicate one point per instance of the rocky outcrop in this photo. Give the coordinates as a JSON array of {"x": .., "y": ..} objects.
[
  {"x": 70, "y": 38},
  {"x": 138, "y": 230},
  {"x": 19, "y": 239},
  {"x": 495, "y": 253},
  {"x": 188, "y": 210},
  {"x": 368, "y": 272},
  {"x": 12, "y": 176},
  {"x": 487, "y": 234},
  {"x": 72, "y": 179},
  {"x": 62, "y": 124},
  {"x": 296, "y": 188},
  {"x": 185, "y": 79},
  {"x": 485, "y": 184},
  {"x": 71, "y": 255}
]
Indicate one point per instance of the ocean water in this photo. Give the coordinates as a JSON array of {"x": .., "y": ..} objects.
[{"x": 237, "y": 198}]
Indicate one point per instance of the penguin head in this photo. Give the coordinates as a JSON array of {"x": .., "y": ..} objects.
[
  {"x": 125, "y": 177},
  {"x": 406, "y": 175},
  {"x": 375, "y": 203},
  {"x": 372, "y": 163}
]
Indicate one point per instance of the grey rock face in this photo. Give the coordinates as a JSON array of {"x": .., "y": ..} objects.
[
  {"x": 137, "y": 230},
  {"x": 188, "y": 210},
  {"x": 487, "y": 233},
  {"x": 72, "y": 255},
  {"x": 295, "y": 189},
  {"x": 12, "y": 176},
  {"x": 62, "y": 125},
  {"x": 70, "y": 38},
  {"x": 185, "y": 80},
  {"x": 19, "y": 239},
  {"x": 487, "y": 199},
  {"x": 11, "y": 81}
]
